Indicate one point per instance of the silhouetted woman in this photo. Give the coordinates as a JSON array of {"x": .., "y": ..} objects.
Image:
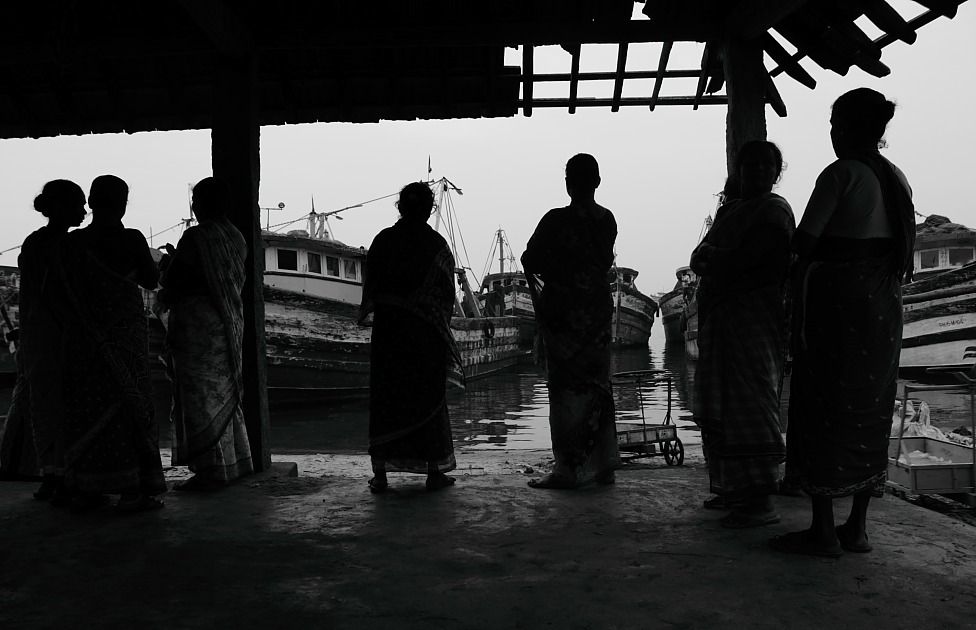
[
  {"x": 408, "y": 293},
  {"x": 111, "y": 437},
  {"x": 566, "y": 263},
  {"x": 855, "y": 244},
  {"x": 35, "y": 408},
  {"x": 743, "y": 263},
  {"x": 202, "y": 287}
]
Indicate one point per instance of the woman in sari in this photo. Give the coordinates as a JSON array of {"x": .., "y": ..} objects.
[
  {"x": 854, "y": 246},
  {"x": 743, "y": 263},
  {"x": 566, "y": 263},
  {"x": 110, "y": 433},
  {"x": 31, "y": 435},
  {"x": 202, "y": 288},
  {"x": 408, "y": 298}
]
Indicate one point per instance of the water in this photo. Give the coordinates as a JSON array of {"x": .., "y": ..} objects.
[
  {"x": 511, "y": 410},
  {"x": 506, "y": 411}
]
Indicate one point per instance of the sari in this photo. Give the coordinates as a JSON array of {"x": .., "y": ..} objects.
[
  {"x": 847, "y": 341},
  {"x": 110, "y": 433},
  {"x": 408, "y": 299},
  {"x": 741, "y": 340},
  {"x": 203, "y": 353},
  {"x": 567, "y": 262}
]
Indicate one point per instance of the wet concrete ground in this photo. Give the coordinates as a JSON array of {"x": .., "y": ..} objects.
[{"x": 319, "y": 551}]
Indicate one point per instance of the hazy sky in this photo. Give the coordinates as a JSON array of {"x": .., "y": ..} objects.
[{"x": 660, "y": 169}]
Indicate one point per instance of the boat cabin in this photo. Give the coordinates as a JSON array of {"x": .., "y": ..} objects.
[
  {"x": 941, "y": 245},
  {"x": 299, "y": 263},
  {"x": 495, "y": 281}
]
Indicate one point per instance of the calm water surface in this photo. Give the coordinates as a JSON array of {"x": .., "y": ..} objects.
[
  {"x": 506, "y": 411},
  {"x": 511, "y": 410}
]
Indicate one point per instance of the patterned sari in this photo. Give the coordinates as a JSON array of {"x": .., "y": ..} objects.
[
  {"x": 203, "y": 354},
  {"x": 408, "y": 299},
  {"x": 110, "y": 433},
  {"x": 847, "y": 340},
  {"x": 741, "y": 339},
  {"x": 566, "y": 263}
]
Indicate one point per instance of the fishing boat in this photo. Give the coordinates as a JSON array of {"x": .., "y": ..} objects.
[
  {"x": 940, "y": 304},
  {"x": 672, "y": 304},
  {"x": 506, "y": 293},
  {"x": 313, "y": 288},
  {"x": 633, "y": 313}
]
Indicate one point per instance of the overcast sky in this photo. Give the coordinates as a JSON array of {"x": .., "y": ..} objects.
[{"x": 660, "y": 169}]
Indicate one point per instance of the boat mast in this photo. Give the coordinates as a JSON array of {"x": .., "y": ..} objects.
[{"x": 501, "y": 252}]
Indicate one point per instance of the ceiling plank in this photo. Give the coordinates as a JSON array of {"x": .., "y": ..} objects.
[
  {"x": 888, "y": 20},
  {"x": 662, "y": 66},
  {"x": 774, "y": 98},
  {"x": 786, "y": 63},
  {"x": 528, "y": 68},
  {"x": 618, "y": 82},
  {"x": 752, "y": 18},
  {"x": 574, "y": 78}
]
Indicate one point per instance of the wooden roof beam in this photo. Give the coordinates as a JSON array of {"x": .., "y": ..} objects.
[
  {"x": 618, "y": 82},
  {"x": 752, "y": 18},
  {"x": 706, "y": 62},
  {"x": 629, "y": 101},
  {"x": 888, "y": 20},
  {"x": 662, "y": 66},
  {"x": 574, "y": 78},
  {"x": 562, "y": 77},
  {"x": 774, "y": 98},
  {"x": 528, "y": 68},
  {"x": 787, "y": 63},
  {"x": 914, "y": 24},
  {"x": 221, "y": 25},
  {"x": 947, "y": 8}
]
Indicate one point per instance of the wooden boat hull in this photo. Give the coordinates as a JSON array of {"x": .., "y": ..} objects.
[
  {"x": 940, "y": 322},
  {"x": 691, "y": 331},
  {"x": 672, "y": 305},
  {"x": 317, "y": 353},
  {"x": 633, "y": 319}
]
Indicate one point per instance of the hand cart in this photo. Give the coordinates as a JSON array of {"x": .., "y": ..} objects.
[
  {"x": 946, "y": 468},
  {"x": 649, "y": 440}
]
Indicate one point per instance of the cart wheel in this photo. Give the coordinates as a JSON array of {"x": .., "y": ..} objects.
[{"x": 674, "y": 452}]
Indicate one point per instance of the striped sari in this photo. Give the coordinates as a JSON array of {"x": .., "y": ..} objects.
[
  {"x": 741, "y": 340},
  {"x": 203, "y": 353}
]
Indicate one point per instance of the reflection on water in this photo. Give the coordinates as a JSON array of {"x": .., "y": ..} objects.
[{"x": 505, "y": 411}]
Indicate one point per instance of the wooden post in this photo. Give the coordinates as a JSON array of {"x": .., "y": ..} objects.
[
  {"x": 236, "y": 159},
  {"x": 745, "y": 80}
]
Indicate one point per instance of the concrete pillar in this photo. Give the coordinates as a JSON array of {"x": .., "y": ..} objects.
[
  {"x": 236, "y": 159},
  {"x": 745, "y": 80}
]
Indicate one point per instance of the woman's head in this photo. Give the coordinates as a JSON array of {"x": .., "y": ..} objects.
[
  {"x": 416, "y": 201},
  {"x": 210, "y": 198},
  {"x": 858, "y": 121},
  {"x": 582, "y": 175},
  {"x": 758, "y": 166},
  {"x": 62, "y": 201},
  {"x": 107, "y": 198}
]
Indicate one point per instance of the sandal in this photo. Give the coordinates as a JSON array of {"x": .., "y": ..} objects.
[
  {"x": 48, "y": 487},
  {"x": 553, "y": 482},
  {"x": 144, "y": 503},
  {"x": 438, "y": 481},
  {"x": 376, "y": 486}
]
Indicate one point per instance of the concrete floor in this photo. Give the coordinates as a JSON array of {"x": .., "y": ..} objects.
[{"x": 319, "y": 551}]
